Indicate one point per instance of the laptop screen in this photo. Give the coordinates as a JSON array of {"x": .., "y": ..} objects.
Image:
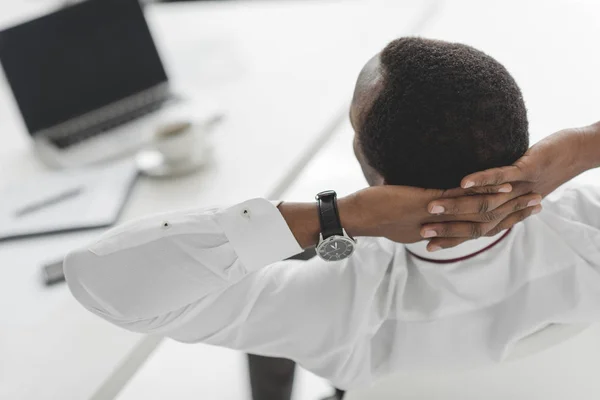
[{"x": 79, "y": 59}]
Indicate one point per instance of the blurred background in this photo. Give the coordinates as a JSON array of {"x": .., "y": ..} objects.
[{"x": 114, "y": 109}]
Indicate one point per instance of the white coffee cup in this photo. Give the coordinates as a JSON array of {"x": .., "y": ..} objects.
[{"x": 180, "y": 141}]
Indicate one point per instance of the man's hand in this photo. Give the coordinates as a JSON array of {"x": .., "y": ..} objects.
[
  {"x": 546, "y": 166},
  {"x": 549, "y": 163},
  {"x": 399, "y": 213},
  {"x": 402, "y": 214}
]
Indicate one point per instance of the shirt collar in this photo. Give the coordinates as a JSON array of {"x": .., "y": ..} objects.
[{"x": 462, "y": 250}]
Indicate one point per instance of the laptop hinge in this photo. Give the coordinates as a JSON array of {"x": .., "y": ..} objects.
[{"x": 108, "y": 113}]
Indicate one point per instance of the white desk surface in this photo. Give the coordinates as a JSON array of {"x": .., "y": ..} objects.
[
  {"x": 283, "y": 73},
  {"x": 549, "y": 49}
]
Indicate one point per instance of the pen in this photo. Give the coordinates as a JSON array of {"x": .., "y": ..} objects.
[{"x": 48, "y": 201}]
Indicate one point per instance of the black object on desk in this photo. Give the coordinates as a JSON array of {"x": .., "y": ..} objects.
[{"x": 53, "y": 273}]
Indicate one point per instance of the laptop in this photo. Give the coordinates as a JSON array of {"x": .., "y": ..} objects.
[{"x": 87, "y": 79}]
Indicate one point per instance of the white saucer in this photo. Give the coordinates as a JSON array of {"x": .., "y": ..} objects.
[{"x": 152, "y": 163}]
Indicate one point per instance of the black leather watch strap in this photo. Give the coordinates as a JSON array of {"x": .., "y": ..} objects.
[{"x": 328, "y": 214}]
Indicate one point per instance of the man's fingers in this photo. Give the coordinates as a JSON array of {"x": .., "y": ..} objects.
[
  {"x": 520, "y": 203},
  {"x": 459, "y": 192},
  {"x": 478, "y": 204},
  {"x": 436, "y": 244},
  {"x": 467, "y": 204},
  {"x": 478, "y": 224},
  {"x": 465, "y": 230},
  {"x": 493, "y": 176},
  {"x": 513, "y": 219},
  {"x": 439, "y": 244}
]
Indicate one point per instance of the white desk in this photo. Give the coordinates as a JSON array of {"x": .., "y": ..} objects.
[
  {"x": 283, "y": 72},
  {"x": 548, "y": 49}
]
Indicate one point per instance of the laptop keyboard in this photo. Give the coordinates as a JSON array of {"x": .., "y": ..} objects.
[{"x": 62, "y": 142}]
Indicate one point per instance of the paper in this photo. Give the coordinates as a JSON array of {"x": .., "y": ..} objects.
[{"x": 103, "y": 191}]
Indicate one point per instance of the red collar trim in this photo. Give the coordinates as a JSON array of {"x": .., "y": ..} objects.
[{"x": 468, "y": 256}]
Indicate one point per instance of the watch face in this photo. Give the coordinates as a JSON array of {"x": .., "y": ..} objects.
[{"x": 335, "y": 248}]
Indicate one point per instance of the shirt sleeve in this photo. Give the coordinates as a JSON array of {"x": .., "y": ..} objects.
[
  {"x": 576, "y": 202},
  {"x": 215, "y": 277},
  {"x": 140, "y": 275},
  {"x": 320, "y": 314},
  {"x": 573, "y": 213}
]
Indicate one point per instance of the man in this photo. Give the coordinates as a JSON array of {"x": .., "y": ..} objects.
[{"x": 426, "y": 113}]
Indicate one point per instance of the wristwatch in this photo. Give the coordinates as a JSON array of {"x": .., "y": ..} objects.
[{"x": 334, "y": 242}]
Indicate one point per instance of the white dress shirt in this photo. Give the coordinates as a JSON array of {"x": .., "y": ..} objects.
[{"x": 215, "y": 276}]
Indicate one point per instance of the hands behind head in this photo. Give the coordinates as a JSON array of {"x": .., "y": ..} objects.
[
  {"x": 407, "y": 214},
  {"x": 464, "y": 214},
  {"x": 488, "y": 202}
]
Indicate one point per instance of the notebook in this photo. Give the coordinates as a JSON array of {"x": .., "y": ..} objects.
[{"x": 65, "y": 201}]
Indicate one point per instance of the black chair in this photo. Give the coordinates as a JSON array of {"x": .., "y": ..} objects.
[{"x": 272, "y": 378}]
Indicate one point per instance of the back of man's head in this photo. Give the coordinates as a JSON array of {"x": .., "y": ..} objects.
[{"x": 444, "y": 110}]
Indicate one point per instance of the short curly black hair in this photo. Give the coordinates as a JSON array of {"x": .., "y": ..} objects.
[{"x": 445, "y": 110}]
